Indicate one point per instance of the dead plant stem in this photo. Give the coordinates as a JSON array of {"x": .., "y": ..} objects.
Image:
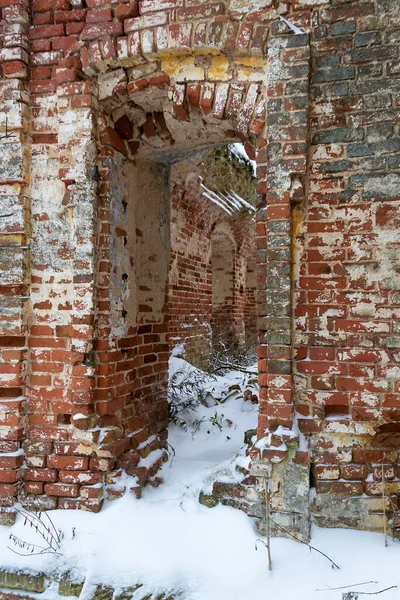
[{"x": 267, "y": 522}]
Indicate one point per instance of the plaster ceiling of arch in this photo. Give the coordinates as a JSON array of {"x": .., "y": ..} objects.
[
  {"x": 160, "y": 119},
  {"x": 164, "y": 137}
]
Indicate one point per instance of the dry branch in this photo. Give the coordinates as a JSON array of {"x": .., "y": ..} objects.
[
  {"x": 344, "y": 587},
  {"x": 267, "y": 523},
  {"x": 46, "y": 530},
  {"x": 355, "y": 595},
  {"x": 333, "y": 564}
]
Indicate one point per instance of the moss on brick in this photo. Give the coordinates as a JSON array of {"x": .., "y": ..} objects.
[
  {"x": 208, "y": 500},
  {"x": 68, "y": 588},
  {"x": 17, "y": 580},
  {"x": 225, "y": 171}
]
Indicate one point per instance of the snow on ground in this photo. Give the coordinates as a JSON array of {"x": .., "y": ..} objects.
[
  {"x": 210, "y": 447},
  {"x": 168, "y": 541}
]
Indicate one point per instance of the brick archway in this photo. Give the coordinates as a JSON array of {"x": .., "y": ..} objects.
[
  {"x": 197, "y": 211},
  {"x": 336, "y": 112},
  {"x": 224, "y": 301},
  {"x": 110, "y": 87},
  {"x": 156, "y": 93}
]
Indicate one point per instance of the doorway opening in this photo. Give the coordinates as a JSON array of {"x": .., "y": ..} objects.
[{"x": 213, "y": 396}]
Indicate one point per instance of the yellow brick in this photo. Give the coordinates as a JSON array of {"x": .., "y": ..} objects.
[
  {"x": 182, "y": 68},
  {"x": 251, "y": 68},
  {"x": 218, "y": 70},
  {"x": 17, "y": 239},
  {"x": 256, "y": 62},
  {"x": 250, "y": 75}
]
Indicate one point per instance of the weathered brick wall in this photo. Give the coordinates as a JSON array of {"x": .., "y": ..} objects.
[
  {"x": 14, "y": 242},
  {"x": 347, "y": 392},
  {"x": 199, "y": 316},
  {"x": 250, "y": 305},
  {"x": 190, "y": 281},
  {"x": 344, "y": 244},
  {"x": 130, "y": 349},
  {"x": 60, "y": 372},
  {"x": 231, "y": 252},
  {"x": 111, "y": 84},
  {"x": 226, "y": 329}
]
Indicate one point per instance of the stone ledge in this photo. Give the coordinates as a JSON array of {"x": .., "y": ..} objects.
[
  {"x": 17, "y": 580},
  {"x": 38, "y": 583}
]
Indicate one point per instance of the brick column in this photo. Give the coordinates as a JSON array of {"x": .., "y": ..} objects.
[
  {"x": 281, "y": 165},
  {"x": 60, "y": 438},
  {"x": 14, "y": 244}
]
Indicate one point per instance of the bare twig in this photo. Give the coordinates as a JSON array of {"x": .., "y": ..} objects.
[
  {"x": 355, "y": 595},
  {"x": 46, "y": 530},
  {"x": 259, "y": 540},
  {"x": 34, "y": 553},
  {"x": 56, "y": 531},
  {"x": 186, "y": 391},
  {"x": 197, "y": 424},
  {"x": 392, "y": 587},
  {"x": 228, "y": 357},
  {"x": 333, "y": 564},
  {"x": 31, "y": 549},
  {"x": 36, "y": 521},
  {"x": 384, "y": 507},
  {"x": 233, "y": 367},
  {"x": 344, "y": 587},
  {"x": 267, "y": 526},
  {"x": 173, "y": 454}
]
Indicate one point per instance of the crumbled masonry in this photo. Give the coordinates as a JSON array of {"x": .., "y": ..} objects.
[
  {"x": 37, "y": 583},
  {"x": 105, "y": 108},
  {"x": 212, "y": 276}
]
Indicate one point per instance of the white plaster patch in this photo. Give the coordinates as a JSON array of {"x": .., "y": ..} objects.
[{"x": 109, "y": 81}]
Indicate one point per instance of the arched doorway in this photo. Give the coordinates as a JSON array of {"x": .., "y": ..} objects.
[
  {"x": 225, "y": 333},
  {"x": 152, "y": 92}
]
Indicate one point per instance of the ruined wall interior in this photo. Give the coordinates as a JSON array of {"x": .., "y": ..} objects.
[
  {"x": 131, "y": 318},
  {"x": 195, "y": 278},
  {"x": 189, "y": 280},
  {"x": 223, "y": 260},
  {"x": 91, "y": 98},
  {"x": 250, "y": 305}
]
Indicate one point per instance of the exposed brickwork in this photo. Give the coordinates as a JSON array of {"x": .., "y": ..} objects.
[
  {"x": 347, "y": 304},
  {"x": 345, "y": 280},
  {"x": 190, "y": 278},
  {"x": 320, "y": 110},
  {"x": 197, "y": 318},
  {"x": 250, "y": 304},
  {"x": 14, "y": 244}
]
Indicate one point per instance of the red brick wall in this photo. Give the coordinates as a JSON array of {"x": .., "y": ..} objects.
[
  {"x": 347, "y": 301},
  {"x": 250, "y": 304},
  {"x": 14, "y": 245},
  {"x": 326, "y": 231},
  {"x": 190, "y": 281},
  {"x": 196, "y": 320},
  {"x": 223, "y": 263},
  {"x": 130, "y": 349},
  {"x": 345, "y": 369}
]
